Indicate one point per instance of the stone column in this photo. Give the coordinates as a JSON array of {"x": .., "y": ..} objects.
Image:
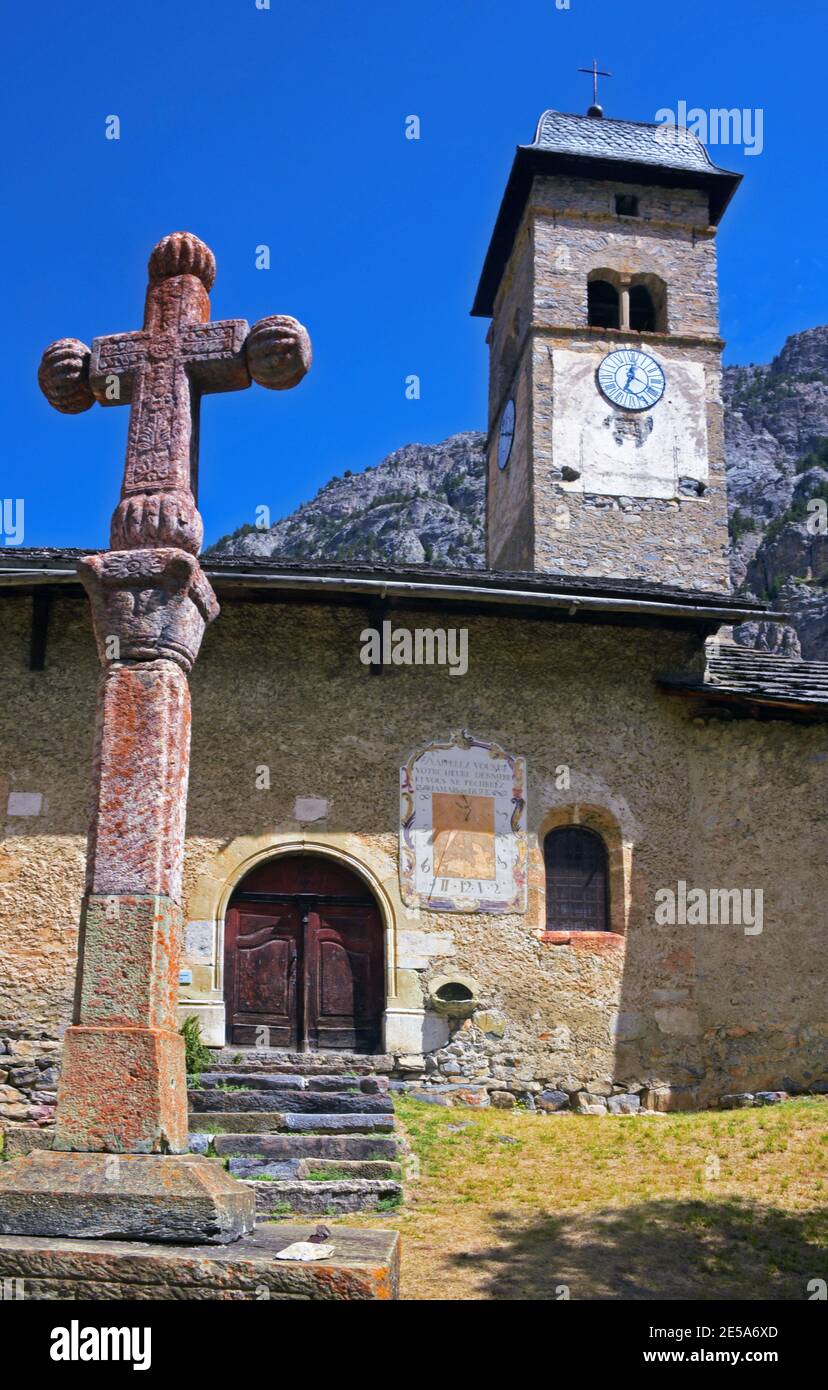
[
  {"x": 624, "y": 302},
  {"x": 123, "y": 1088}
]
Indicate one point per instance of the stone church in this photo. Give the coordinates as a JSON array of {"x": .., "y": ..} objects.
[{"x": 541, "y": 827}]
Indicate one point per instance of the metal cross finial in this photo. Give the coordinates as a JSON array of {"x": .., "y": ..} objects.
[{"x": 595, "y": 72}]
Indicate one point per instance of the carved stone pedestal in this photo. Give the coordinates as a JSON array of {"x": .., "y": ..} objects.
[
  {"x": 365, "y": 1265},
  {"x": 181, "y": 1199},
  {"x": 119, "y": 1166}
]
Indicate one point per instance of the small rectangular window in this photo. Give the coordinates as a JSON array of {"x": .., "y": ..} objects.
[{"x": 626, "y": 205}]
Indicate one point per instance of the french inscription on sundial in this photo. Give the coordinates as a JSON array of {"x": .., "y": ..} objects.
[{"x": 463, "y": 828}]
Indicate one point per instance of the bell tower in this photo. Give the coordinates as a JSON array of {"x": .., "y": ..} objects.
[{"x": 605, "y": 444}]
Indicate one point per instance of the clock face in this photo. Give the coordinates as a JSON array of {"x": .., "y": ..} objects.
[
  {"x": 507, "y": 433},
  {"x": 631, "y": 379}
]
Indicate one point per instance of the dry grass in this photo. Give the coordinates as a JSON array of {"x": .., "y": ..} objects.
[{"x": 718, "y": 1205}]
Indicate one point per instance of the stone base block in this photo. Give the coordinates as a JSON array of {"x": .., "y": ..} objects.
[
  {"x": 181, "y": 1199},
  {"x": 210, "y": 1014},
  {"x": 122, "y": 1090},
  {"x": 23, "y": 1138},
  {"x": 130, "y": 947},
  {"x": 364, "y": 1265}
]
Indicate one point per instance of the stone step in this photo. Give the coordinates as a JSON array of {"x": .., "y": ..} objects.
[
  {"x": 234, "y": 1122},
  {"x": 339, "y": 1124},
  {"x": 312, "y": 1169},
  {"x": 285, "y": 1102},
  {"x": 282, "y": 1198},
  {"x": 301, "y": 1063},
  {"x": 256, "y": 1081},
  {"x": 309, "y": 1134},
  {"x": 355, "y": 1147},
  {"x": 274, "y": 1122},
  {"x": 328, "y": 1170},
  {"x": 267, "y": 1081},
  {"x": 266, "y": 1169}
]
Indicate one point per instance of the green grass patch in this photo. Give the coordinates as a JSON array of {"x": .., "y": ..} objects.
[{"x": 714, "y": 1205}]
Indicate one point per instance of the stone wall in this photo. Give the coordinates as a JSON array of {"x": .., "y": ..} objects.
[
  {"x": 677, "y": 535},
  {"x": 29, "y": 1070},
  {"x": 682, "y": 1013},
  {"x": 678, "y": 540},
  {"x": 509, "y": 505},
  {"x": 671, "y": 239}
]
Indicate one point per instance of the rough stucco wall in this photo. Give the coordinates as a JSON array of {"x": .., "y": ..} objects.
[
  {"x": 509, "y": 499},
  {"x": 762, "y": 999},
  {"x": 557, "y": 1000},
  {"x": 46, "y": 735},
  {"x": 509, "y": 492},
  {"x": 716, "y": 803},
  {"x": 512, "y": 317}
]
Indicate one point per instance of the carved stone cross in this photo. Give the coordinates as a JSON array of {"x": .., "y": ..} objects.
[
  {"x": 161, "y": 371},
  {"x": 123, "y": 1086}
]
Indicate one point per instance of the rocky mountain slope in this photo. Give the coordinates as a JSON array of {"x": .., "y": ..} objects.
[
  {"x": 425, "y": 502},
  {"x": 776, "y": 441}
]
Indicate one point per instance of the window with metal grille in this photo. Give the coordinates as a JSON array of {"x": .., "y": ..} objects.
[{"x": 576, "y": 880}]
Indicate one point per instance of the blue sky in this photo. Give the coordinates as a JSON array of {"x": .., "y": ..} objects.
[{"x": 286, "y": 126}]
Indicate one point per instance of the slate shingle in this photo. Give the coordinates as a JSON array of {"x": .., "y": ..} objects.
[{"x": 670, "y": 147}]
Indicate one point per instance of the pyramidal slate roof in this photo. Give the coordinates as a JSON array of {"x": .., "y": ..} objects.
[
  {"x": 668, "y": 146},
  {"x": 598, "y": 147}
]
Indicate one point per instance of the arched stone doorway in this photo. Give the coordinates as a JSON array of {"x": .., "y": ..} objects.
[{"x": 304, "y": 958}]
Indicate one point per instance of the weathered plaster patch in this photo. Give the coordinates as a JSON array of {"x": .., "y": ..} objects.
[
  {"x": 25, "y": 804},
  {"x": 416, "y": 949},
  {"x": 310, "y": 808},
  {"x": 198, "y": 940},
  {"x": 682, "y": 1023}
]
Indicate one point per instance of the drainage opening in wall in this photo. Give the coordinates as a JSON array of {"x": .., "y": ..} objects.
[
  {"x": 454, "y": 993},
  {"x": 454, "y": 996}
]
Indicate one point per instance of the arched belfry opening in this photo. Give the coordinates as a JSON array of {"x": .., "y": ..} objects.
[
  {"x": 603, "y": 304},
  {"x": 304, "y": 958},
  {"x": 642, "y": 310},
  {"x": 648, "y": 304}
]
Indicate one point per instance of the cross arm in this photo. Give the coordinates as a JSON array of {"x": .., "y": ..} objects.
[
  {"x": 214, "y": 355},
  {"x": 113, "y": 365}
]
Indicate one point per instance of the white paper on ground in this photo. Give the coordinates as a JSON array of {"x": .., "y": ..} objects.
[{"x": 303, "y": 1250}]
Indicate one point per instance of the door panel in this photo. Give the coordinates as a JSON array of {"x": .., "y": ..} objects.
[
  {"x": 262, "y": 957},
  {"x": 345, "y": 978},
  {"x": 336, "y": 984}
]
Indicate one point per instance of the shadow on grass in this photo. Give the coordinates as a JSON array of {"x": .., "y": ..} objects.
[{"x": 655, "y": 1250}]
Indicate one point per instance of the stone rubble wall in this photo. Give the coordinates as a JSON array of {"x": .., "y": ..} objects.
[
  {"x": 471, "y": 1072},
  {"x": 29, "y": 1071}
]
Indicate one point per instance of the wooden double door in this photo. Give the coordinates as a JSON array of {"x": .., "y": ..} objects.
[{"x": 303, "y": 958}]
